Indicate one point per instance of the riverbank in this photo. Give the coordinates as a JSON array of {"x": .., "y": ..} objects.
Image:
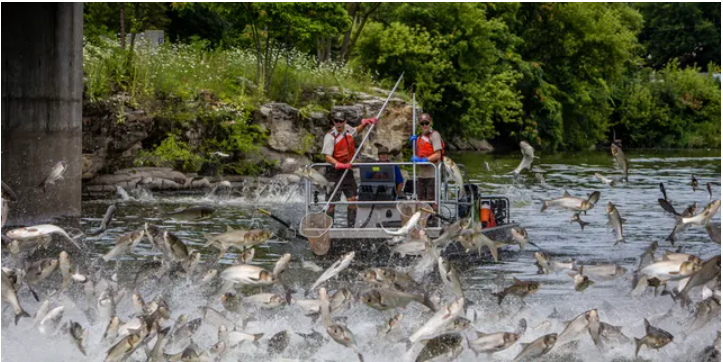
[{"x": 210, "y": 137}]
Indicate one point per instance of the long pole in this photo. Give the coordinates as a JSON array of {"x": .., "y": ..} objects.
[
  {"x": 358, "y": 150},
  {"x": 414, "y": 145}
]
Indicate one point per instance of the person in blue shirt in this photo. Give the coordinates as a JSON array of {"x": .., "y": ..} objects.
[{"x": 383, "y": 153}]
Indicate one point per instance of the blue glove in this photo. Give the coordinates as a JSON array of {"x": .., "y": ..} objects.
[
  {"x": 413, "y": 139},
  {"x": 415, "y": 158}
]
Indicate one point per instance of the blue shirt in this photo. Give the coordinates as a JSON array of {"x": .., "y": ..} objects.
[{"x": 398, "y": 179}]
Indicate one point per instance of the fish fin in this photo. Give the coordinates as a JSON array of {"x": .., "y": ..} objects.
[
  {"x": 566, "y": 194},
  {"x": 638, "y": 344},
  {"x": 209, "y": 239},
  {"x": 361, "y": 358},
  {"x": 524, "y": 345},
  {"x": 667, "y": 206},
  {"x": 480, "y": 334},
  {"x": 22, "y": 314},
  {"x": 229, "y": 228},
  {"x": 545, "y": 205},
  {"x": 493, "y": 251},
  {"x": 623, "y": 220},
  {"x": 515, "y": 280},
  {"x": 428, "y": 303},
  {"x": 583, "y": 224},
  {"x": 32, "y": 291}
]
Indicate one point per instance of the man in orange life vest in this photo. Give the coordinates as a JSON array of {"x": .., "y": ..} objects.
[
  {"x": 338, "y": 150},
  {"x": 430, "y": 148}
]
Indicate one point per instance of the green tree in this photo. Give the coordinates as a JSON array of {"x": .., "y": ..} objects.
[
  {"x": 274, "y": 27},
  {"x": 459, "y": 62},
  {"x": 582, "y": 50},
  {"x": 686, "y": 31}
]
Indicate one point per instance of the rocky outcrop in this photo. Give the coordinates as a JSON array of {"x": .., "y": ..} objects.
[
  {"x": 114, "y": 133},
  {"x": 291, "y": 133}
]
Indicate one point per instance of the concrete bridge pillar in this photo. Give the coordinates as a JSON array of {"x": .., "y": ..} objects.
[{"x": 42, "y": 90}]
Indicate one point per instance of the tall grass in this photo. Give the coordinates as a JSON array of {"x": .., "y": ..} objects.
[{"x": 182, "y": 71}]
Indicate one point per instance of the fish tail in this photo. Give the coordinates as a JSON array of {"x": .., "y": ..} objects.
[
  {"x": 671, "y": 237},
  {"x": 22, "y": 314},
  {"x": 209, "y": 239},
  {"x": 583, "y": 224},
  {"x": 428, "y": 303},
  {"x": 493, "y": 251},
  {"x": 638, "y": 344},
  {"x": 545, "y": 205},
  {"x": 500, "y": 297},
  {"x": 361, "y": 358}
]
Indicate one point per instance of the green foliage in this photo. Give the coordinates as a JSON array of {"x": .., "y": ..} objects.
[
  {"x": 560, "y": 75},
  {"x": 171, "y": 153},
  {"x": 459, "y": 61},
  {"x": 669, "y": 108},
  {"x": 182, "y": 71},
  {"x": 687, "y": 31}
]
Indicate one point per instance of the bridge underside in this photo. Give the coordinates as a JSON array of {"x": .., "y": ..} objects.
[{"x": 42, "y": 89}]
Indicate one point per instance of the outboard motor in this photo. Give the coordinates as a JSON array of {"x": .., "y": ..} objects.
[{"x": 463, "y": 210}]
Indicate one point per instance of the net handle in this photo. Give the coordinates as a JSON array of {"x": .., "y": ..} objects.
[
  {"x": 414, "y": 145},
  {"x": 366, "y": 136}
]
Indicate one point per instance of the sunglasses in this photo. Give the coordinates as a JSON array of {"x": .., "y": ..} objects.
[
  {"x": 425, "y": 123},
  {"x": 339, "y": 121}
]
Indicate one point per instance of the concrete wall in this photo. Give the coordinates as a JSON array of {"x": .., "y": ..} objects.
[{"x": 42, "y": 88}]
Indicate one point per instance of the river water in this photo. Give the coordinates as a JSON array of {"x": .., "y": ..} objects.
[{"x": 636, "y": 200}]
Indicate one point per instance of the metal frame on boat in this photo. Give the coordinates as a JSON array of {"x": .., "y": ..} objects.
[{"x": 372, "y": 213}]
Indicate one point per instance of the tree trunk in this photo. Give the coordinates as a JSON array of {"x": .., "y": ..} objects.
[
  {"x": 136, "y": 16},
  {"x": 352, "y": 9},
  {"x": 360, "y": 27},
  {"x": 122, "y": 25}
]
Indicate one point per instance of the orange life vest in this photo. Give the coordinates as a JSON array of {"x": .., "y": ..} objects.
[
  {"x": 343, "y": 146},
  {"x": 424, "y": 145},
  {"x": 487, "y": 217}
]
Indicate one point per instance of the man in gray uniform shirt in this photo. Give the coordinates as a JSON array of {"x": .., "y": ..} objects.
[
  {"x": 430, "y": 148},
  {"x": 338, "y": 150}
]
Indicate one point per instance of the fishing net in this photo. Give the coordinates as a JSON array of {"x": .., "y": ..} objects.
[
  {"x": 406, "y": 210},
  {"x": 315, "y": 227}
]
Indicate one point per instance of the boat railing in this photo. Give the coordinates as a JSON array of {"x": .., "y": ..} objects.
[
  {"x": 308, "y": 198},
  {"x": 441, "y": 198}
]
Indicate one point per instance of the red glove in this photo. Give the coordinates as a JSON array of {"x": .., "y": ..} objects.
[
  {"x": 342, "y": 166},
  {"x": 369, "y": 121}
]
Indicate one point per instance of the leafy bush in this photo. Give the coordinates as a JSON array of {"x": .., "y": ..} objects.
[
  {"x": 171, "y": 153},
  {"x": 182, "y": 71},
  {"x": 670, "y": 108}
]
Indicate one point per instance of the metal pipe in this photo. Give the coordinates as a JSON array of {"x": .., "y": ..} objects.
[
  {"x": 377, "y": 164},
  {"x": 414, "y": 145},
  {"x": 436, "y": 185},
  {"x": 341, "y": 179}
]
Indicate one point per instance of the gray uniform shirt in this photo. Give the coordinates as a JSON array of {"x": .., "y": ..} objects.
[
  {"x": 329, "y": 139},
  {"x": 428, "y": 171}
]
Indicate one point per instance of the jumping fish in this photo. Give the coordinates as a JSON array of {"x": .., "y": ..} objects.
[
  {"x": 528, "y": 155},
  {"x": 455, "y": 173},
  {"x": 537, "y": 348},
  {"x": 620, "y": 159},
  {"x": 567, "y": 201},
  {"x": 654, "y": 338},
  {"x": 335, "y": 269},
  {"x": 55, "y": 174},
  {"x": 439, "y": 321},
  {"x": 616, "y": 222}
]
